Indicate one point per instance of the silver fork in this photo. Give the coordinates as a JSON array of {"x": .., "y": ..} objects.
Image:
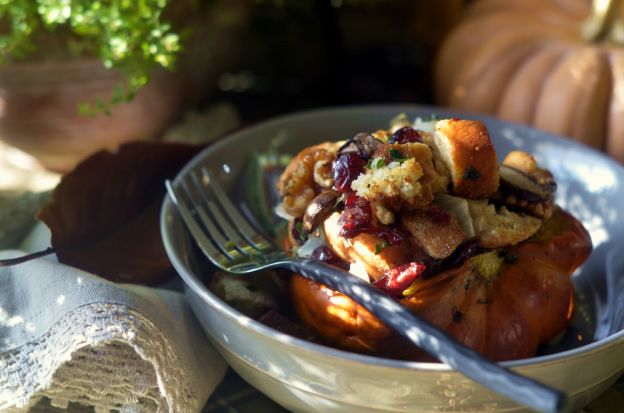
[{"x": 231, "y": 243}]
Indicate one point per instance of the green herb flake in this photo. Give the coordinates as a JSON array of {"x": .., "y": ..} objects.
[
  {"x": 379, "y": 247},
  {"x": 471, "y": 174},
  {"x": 396, "y": 154},
  {"x": 378, "y": 163},
  {"x": 303, "y": 236}
]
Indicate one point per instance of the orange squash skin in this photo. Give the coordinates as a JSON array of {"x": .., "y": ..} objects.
[
  {"x": 505, "y": 317},
  {"x": 532, "y": 62}
]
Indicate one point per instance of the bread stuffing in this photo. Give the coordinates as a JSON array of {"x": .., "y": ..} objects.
[{"x": 426, "y": 212}]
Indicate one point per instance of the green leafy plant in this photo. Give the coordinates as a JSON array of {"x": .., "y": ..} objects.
[{"x": 131, "y": 36}]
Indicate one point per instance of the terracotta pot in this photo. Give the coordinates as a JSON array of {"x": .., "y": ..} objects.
[{"x": 39, "y": 100}]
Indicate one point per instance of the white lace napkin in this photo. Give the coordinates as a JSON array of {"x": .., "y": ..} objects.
[
  {"x": 70, "y": 338},
  {"x": 73, "y": 337}
]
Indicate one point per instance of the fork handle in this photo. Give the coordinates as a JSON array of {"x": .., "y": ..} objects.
[{"x": 521, "y": 389}]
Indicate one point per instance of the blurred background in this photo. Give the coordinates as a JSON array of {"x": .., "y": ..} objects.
[
  {"x": 303, "y": 54},
  {"x": 79, "y": 75}
]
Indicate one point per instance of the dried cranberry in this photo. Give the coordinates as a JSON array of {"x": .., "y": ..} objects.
[
  {"x": 323, "y": 253},
  {"x": 353, "y": 221},
  {"x": 352, "y": 201},
  {"x": 396, "y": 280},
  {"x": 346, "y": 168},
  {"x": 405, "y": 135},
  {"x": 355, "y": 218},
  {"x": 392, "y": 235}
]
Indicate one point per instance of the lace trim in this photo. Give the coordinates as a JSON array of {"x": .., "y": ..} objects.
[{"x": 107, "y": 356}]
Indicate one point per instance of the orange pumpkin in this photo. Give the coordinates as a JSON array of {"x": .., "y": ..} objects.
[
  {"x": 557, "y": 65},
  {"x": 503, "y": 315}
]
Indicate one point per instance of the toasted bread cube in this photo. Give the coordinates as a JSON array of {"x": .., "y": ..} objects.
[{"x": 466, "y": 149}]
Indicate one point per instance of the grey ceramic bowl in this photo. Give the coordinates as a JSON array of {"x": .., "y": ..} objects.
[{"x": 307, "y": 377}]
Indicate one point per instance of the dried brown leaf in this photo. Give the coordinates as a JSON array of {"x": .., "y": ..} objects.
[{"x": 104, "y": 215}]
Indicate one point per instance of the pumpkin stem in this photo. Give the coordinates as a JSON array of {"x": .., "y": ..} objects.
[{"x": 606, "y": 22}]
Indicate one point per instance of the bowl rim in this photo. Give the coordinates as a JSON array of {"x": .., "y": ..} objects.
[{"x": 167, "y": 216}]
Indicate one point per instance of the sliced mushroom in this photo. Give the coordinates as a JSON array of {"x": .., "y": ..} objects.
[
  {"x": 349, "y": 147},
  {"x": 434, "y": 230},
  {"x": 319, "y": 209},
  {"x": 363, "y": 143},
  {"x": 544, "y": 178},
  {"x": 523, "y": 186},
  {"x": 526, "y": 163}
]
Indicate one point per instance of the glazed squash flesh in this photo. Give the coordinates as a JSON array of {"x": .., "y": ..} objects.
[
  {"x": 503, "y": 316},
  {"x": 427, "y": 214}
]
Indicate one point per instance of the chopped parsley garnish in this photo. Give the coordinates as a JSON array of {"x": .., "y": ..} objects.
[
  {"x": 471, "y": 174},
  {"x": 301, "y": 234},
  {"x": 396, "y": 154},
  {"x": 380, "y": 247},
  {"x": 378, "y": 163}
]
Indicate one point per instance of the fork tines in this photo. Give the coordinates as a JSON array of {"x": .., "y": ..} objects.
[{"x": 222, "y": 233}]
